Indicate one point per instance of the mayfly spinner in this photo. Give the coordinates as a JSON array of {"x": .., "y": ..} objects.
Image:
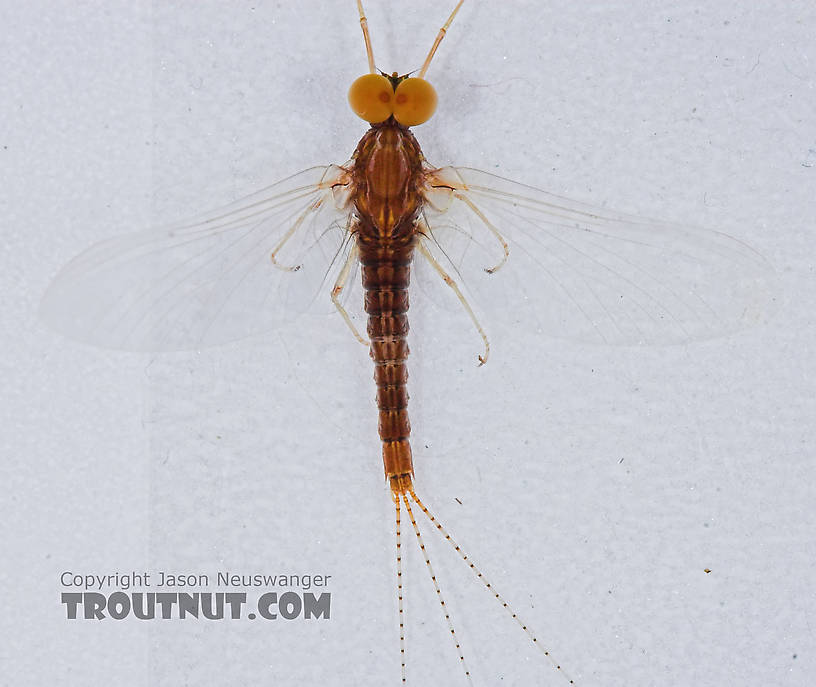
[{"x": 603, "y": 276}]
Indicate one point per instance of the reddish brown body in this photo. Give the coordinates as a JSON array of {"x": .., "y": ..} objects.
[{"x": 387, "y": 175}]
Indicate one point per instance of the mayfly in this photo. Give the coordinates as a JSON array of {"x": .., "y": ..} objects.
[{"x": 601, "y": 276}]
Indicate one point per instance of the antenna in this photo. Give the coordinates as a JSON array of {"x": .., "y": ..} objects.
[
  {"x": 438, "y": 40},
  {"x": 367, "y": 36},
  {"x": 439, "y": 37}
]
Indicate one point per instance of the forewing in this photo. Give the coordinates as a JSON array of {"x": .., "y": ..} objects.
[
  {"x": 230, "y": 273},
  {"x": 586, "y": 273}
]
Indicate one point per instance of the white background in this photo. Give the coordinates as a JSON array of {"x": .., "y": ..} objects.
[{"x": 596, "y": 484}]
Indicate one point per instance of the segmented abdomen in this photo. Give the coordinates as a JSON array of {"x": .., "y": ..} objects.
[{"x": 386, "y": 276}]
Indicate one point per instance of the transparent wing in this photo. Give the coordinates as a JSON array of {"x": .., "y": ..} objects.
[
  {"x": 233, "y": 272},
  {"x": 571, "y": 270}
]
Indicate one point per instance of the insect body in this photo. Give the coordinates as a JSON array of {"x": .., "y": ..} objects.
[
  {"x": 388, "y": 178},
  {"x": 601, "y": 276},
  {"x": 387, "y": 204}
]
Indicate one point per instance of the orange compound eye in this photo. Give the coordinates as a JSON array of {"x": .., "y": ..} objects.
[
  {"x": 372, "y": 98},
  {"x": 414, "y": 102}
]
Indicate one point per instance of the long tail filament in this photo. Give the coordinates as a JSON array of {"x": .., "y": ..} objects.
[
  {"x": 399, "y": 591},
  {"x": 488, "y": 585},
  {"x": 436, "y": 585}
]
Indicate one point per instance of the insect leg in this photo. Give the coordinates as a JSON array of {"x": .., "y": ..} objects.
[
  {"x": 476, "y": 211},
  {"x": 446, "y": 277},
  {"x": 314, "y": 207},
  {"x": 339, "y": 285}
]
